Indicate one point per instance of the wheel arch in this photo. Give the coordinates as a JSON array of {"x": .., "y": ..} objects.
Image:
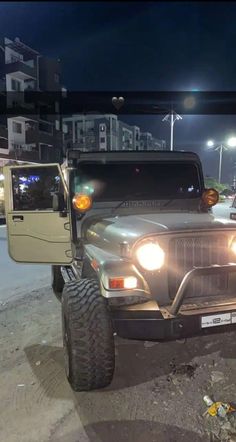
[{"x": 88, "y": 270}]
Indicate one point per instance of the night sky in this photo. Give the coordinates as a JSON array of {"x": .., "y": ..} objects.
[{"x": 140, "y": 46}]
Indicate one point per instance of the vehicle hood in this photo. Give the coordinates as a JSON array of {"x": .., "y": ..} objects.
[{"x": 109, "y": 232}]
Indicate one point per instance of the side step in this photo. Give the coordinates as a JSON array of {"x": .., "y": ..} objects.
[{"x": 68, "y": 274}]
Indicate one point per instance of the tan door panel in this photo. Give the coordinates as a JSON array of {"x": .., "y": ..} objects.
[{"x": 36, "y": 236}]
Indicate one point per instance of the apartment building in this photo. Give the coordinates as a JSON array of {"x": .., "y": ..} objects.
[
  {"x": 105, "y": 132},
  {"x": 91, "y": 132},
  {"x": 148, "y": 142},
  {"x": 36, "y": 137}
]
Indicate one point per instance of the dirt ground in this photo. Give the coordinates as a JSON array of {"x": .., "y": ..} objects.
[{"x": 156, "y": 395}]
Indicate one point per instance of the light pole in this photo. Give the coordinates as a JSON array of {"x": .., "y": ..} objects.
[
  {"x": 221, "y": 148},
  {"x": 172, "y": 117}
]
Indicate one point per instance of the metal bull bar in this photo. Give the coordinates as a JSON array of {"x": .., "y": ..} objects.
[{"x": 198, "y": 271}]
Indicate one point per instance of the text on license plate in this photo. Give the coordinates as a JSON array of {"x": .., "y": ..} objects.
[{"x": 215, "y": 320}]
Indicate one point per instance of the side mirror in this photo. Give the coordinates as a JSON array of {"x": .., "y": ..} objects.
[{"x": 58, "y": 202}]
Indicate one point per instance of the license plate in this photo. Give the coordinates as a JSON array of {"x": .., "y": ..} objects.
[{"x": 216, "y": 320}]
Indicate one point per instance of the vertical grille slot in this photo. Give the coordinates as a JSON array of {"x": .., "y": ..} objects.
[{"x": 200, "y": 251}]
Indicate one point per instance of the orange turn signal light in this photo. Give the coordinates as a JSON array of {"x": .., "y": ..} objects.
[
  {"x": 116, "y": 283},
  {"x": 127, "y": 282},
  {"x": 210, "y": 197},
  {"x": 82, "y": 202}
]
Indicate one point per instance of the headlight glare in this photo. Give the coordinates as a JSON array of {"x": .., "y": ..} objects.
[{"x": 150, "y": 256}]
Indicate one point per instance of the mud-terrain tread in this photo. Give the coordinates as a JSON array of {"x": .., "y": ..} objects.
[{"x": 90, "y": 336}]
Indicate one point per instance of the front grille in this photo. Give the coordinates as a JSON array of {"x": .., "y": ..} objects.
[{"x": 200, "y": 251}]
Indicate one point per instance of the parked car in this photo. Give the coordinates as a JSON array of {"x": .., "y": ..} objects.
[
  {"x": 233, "y": 209},
  {"x": 133, "y": 248}
]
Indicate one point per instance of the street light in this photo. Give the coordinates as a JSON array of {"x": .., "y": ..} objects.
[
  {"x": 172, "y": 117},
  {"x": 232, "y": 142},
  {"x": 221, "y": 147},
  {"x": 188, "y": 103},
  {"x": 210, "y": 143}
]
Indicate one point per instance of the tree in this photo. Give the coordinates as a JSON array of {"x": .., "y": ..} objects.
[{"x": 211, "y": 182}]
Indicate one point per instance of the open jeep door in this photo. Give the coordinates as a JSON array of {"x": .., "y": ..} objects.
[{"x": 38, "y": 230}]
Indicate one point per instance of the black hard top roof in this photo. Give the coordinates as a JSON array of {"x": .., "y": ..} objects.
[{"x": 151, "y": 155}]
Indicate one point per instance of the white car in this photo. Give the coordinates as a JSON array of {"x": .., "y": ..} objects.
[{"x": 233, "y": 209}]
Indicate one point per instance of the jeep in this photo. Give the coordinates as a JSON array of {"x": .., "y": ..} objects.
[{"x": 134, "y": 247}]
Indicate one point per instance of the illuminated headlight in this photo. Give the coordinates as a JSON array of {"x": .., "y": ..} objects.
[
  {"x": 150, "y": 256},
  {"x": 233, "y": 246}
]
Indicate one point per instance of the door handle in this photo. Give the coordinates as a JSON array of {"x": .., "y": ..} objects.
[{"x": 18, "y": 218}]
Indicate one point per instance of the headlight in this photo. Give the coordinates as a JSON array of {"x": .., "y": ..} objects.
[{"x": 150, "y": 256}]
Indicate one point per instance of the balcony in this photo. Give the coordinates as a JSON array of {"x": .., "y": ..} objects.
[
  {"x": 45, "y": 127},
  {"x": 49, "y": 154},
  {"x": 31, "y": 135},
  {"x": 25, "y": 152},
  {"x": 30, "y": 156},
  {"x": 3, "y": 145},
  {"x": 20, "y": 69},
  {"x": 3, "y": 132}
]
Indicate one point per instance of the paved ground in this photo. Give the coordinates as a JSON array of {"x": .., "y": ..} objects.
[
  {"x": 156, "y": 395},
  {"x": 16, "y": 279},
  {"x": 223, "y": 209}
]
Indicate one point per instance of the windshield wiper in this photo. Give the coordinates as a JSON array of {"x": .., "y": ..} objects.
[{"x": 127, "y": 198}]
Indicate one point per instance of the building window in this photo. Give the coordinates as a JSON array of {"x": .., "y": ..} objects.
[
  {"x": 57, "y": 124},
  {"x": 65, "y": 129},
  {"x": 17, "y": 127},
  {"x": 56, "y": 78},
  {"x": 102, "y": 140},
  {"x": 15, "y": 85}
]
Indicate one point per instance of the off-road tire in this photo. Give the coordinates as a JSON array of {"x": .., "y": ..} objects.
[
  {"x": 87, "y": 336},
  {"x": 57, "y": 281}
]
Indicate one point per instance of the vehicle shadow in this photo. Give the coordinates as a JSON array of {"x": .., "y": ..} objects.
[
  {"x": 47, "y": 364},
  {"x": 127, "y": 431},
  {"x": 135, "y": 362}
]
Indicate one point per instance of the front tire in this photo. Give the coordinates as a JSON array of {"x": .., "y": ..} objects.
[{"x": 87, "y": 336}]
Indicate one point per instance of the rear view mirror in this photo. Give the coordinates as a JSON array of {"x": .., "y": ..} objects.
[{"x": 58, "y": 202}]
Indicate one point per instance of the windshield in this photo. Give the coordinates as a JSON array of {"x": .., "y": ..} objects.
[{"x": 116, "y": 181}]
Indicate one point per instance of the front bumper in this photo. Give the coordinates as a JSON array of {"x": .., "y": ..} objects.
[
  {"x": 148, "y": 321},
  {"x": 151, "y": 325}
]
